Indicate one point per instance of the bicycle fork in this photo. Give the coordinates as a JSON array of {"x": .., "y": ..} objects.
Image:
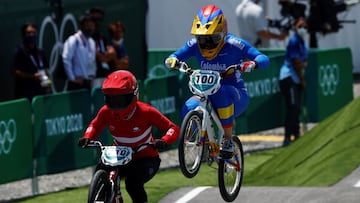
[
  {"x": 209, "y": 122},
  {"x": 115, "y": 187}
]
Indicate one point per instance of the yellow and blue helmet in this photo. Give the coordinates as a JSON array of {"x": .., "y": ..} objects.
[{"x": 209, "y": 28}]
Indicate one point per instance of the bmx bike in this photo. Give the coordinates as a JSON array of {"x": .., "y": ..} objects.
[
  {"x": 105, "y": 183},
  {"x": 201, "y": 129}
]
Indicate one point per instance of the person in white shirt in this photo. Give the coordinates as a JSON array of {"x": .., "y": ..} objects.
[
  {"x": 253, "y": 25},
  {"x": 79, "y": 55}
]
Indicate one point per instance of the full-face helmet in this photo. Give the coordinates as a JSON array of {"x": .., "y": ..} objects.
[
  {"x": 209, "y": 28},
  {"x": 120, "y": 92}
]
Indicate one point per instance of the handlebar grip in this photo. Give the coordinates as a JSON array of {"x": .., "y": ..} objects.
[
  {"x": 94, "y": 143},
  {"x": 185, "y": 68},
  {"x": 135, "y": 149}
]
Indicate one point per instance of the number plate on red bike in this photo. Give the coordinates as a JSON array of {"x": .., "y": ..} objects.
[
  {"x": 204, "y": 82},
  {"x": 116, "y": 155}
]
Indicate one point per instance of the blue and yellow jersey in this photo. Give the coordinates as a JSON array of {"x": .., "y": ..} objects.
[
  {"x": 231, "y": 99},
  {"x": 234, "y": 51}
]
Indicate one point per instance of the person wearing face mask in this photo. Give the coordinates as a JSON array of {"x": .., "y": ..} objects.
[
  {"x": 30, "y": 66},
  {"x": 78, "y": 55},
  {"x": 253, "y": 25},
  {"x": 116, "y": 32},
  {"x": 292, "y": 80}
]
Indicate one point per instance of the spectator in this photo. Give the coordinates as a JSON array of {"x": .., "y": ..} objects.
[
  {"x": 79, "y": 55},
  {"x": 253, "y": 26},
  {"x": 116, "y": 33},
  {"x": 216, "y": 49},
  {"x": 30, "y": 66},
  {"x": 130, "y": 123},
  {"x": 292, "y": 81},
  {"x": 104, "y": 52}
]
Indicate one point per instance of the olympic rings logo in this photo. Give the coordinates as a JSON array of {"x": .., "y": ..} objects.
[
  {"x": 59, "y": 39},
  {"x": 7, "y": 135},
  {"x": 329, "y": 77}
]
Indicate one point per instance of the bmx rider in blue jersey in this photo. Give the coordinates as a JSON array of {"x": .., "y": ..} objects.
[{"x": 216, "y": 49}]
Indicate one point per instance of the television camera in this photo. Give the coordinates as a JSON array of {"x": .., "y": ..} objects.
[
  {"x": 322, "y": 14},
  {"x": 289, "y": 11}
]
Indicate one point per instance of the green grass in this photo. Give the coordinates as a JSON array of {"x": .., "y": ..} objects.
[{"x": 321, "y": 157}]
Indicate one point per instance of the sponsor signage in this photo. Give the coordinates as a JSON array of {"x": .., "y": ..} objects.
[
  {"x": 59, "y": 120},
  {"x": 329, "y": 82},
  {"x": 16, "y": 144},
  {"x": 329, "y": 78}
]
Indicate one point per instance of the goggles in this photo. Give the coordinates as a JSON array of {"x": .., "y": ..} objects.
[
  {"x": 209, "y": 41},
  {"x": 119, "y": 101}
]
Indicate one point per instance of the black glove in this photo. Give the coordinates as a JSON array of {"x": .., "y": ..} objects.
[
  {"x": 160, "y": 144},
  {"x": 83, "y": 142}
]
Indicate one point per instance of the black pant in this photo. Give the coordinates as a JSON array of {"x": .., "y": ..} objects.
[
  {"x": 292, "y": 94},
  {"x": 136, "y": 174}
]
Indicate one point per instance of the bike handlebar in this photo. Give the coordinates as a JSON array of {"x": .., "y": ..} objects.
[
  {"x": 96, "y": 143},
  {"x": 185, "y": 68}
]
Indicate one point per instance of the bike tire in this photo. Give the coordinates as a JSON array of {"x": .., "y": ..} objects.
[
  {"x": 100, "y": 187},
  {"x": 190, "y": 149},
  {"x": 230, "y": 176}
]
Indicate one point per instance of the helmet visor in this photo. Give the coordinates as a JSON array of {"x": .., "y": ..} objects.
[
  {"x": 119, "y": 101},
  {"x": 209, "y": 41}
]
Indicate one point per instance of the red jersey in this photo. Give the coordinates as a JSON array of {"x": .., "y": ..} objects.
[{"x": 136, "y": 130}]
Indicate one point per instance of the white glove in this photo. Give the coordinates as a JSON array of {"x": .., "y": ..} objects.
[{"x": 247, "y": 66}]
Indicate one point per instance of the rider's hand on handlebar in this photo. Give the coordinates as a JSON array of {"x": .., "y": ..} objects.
[
  {"x": 160, "y": 144},
  {"x": 172, "y": 62},
  {"x": 248, "y": 66},
  {"x": 83, "y": 142}
]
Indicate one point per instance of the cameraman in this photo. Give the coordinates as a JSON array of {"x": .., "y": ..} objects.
[{"x": 253, "y": 26}]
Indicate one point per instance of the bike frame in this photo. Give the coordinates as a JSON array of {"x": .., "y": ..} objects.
[
  {"x": 210, "y": 118},
  {"x": 115, "y": 182}
]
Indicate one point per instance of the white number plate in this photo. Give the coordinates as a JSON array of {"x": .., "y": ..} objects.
[{"x": 116, "y": 155}]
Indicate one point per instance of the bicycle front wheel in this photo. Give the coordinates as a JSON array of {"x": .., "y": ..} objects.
[
  {"x": 191, "y": 148},
  {"x": 100, "y": 188},
  {"x": 230, "y": 173}
]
